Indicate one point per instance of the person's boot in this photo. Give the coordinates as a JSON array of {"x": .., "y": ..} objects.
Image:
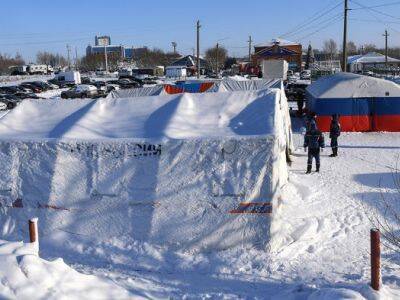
[
  {"x": 335, "y": 151},
  {"x": 308, "y": 169},
  {"x": 317, "y": 168}
]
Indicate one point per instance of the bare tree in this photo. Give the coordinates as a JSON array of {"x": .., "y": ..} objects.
[
  {"x": 6, "y": 61},
  {"x": 366, "y": 48},
  {"x": 351, "y": 48},
  {"x": 47, "y": 58},
  {"x": 151, "y": 58},
  {"x": 330, "y": 47},
  {"x": 96, "y": 61},
  {"x": 216, "y": 55},
  {"x": 386, "y": 215}
]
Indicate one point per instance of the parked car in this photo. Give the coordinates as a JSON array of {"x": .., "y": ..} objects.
[
  {"x": 32, "y": 87},
  {"x": 86, "y": 80},
  {"x": 9, "y": 89},
  {"x": 305, "y": 75},
  {"x": 126, "y": 83},
  {"x": 22, "y": 95},
  {"x": 80, "y": 91},
  {"x": 43, "y": 85},
  {"x": 3, "y": 104},
  {"x": 112, "y": 87},
  {"x": 57, "y": 84},
  {"x": 9, "y": 100}
]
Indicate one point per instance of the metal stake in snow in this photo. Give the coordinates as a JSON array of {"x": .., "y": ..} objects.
[
  {"x": 375, "y": 259},
  {"x": 33, "y": 232}
]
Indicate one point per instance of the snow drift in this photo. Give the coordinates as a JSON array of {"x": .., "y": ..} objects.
[
  {"x": 166, "y": 170},
  {"x": 23, "y": 275}
]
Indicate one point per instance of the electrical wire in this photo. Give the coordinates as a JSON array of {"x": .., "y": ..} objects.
[
  {"x": 375, "y": 10},
  {"x": 320, "y": 24},
  {"x": 377, "y": 6},
  {"x": 371, "y": 12},
  {"x": 339, "y": 18},
  {"x": 318, "y": 15}
]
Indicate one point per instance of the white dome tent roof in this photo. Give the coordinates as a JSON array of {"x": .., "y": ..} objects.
[{"x": 349, "y": 85}]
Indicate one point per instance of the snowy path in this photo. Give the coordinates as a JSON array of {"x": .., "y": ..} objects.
[{"x": 325, "y": 220}]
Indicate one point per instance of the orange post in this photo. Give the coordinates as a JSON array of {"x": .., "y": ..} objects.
[{"x": 375, "y": 259}]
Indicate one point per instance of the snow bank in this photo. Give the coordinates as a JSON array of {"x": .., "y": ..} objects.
[
  {"x": 349, "y": 85},
  {"x": 165, "y": 170},
  {"x": 24, "y": 275}
]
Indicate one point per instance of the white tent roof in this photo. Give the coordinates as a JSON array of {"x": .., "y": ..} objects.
[
  {"x": 370, "y": 58},
  {"x": 170, "y": 116},
  {"x": 349, "y": 85}
]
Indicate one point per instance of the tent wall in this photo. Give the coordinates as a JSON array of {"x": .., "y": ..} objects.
[
  {"x": 178, "y": 193},
  {"x": 358, "y": 114}
]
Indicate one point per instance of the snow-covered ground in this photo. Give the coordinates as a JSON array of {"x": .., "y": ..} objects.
[
  {"x": 320, "y": 248},
  {"x": 15, "y": 80},
  {"x": 24, "y": 275}
]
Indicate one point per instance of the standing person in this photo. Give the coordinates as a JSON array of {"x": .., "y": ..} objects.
[
  {"x": 311, "y": 117},
  {"x": 334, "y": 133},
  {"x": 314, "y": 141}
]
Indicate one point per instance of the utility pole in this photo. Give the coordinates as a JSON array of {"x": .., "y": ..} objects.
[
  {"x": 386, "y": 48},
  {"x": 69, "y": 57},
  {"x": 76, "y": 58},
  {"x": 216, "y": 58},
  {"x": 198, "y": 26},
  {"x": 105, "y": 59},
  {"x": 344, "y": 59},
  {"x": 250, "y": 41}
]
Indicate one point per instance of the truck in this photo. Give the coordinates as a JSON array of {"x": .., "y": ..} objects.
[
  {"x": 175, "y": 71},
  {"x": 275, "y": 69},
  {"x": 39, "y": 69},
  {"x": 69, "y": 77}
]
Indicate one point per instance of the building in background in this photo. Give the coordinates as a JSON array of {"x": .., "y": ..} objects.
[
  {"x": 372, "y": 61},
  {"x": 279, "y": 49},
  {"x": 111, "y": 49},
  {"x": 104, "y": 40},
  {"x": 190, "y": 61}
]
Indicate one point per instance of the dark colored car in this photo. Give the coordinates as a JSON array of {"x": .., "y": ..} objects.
[
  {"x": 85, "y": 80},
  {"x": 126, "y": 83},
  {"x": 43, "y": 85},
  {"x": 10, "y": 100},
  {"x": 9, "y": 89},
  {"x": 32, "y": 87},
  {"x": 22, "y": 95}
]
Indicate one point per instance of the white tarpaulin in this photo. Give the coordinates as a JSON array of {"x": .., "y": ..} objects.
[{"x": 168, "y": 169}]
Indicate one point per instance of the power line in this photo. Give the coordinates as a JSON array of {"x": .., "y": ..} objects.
[
  {"x": 339, "y": 18},
  {"x": 375, "y": 10},
  {"x": 371, "y": 20},
  {"x": 371, "y": 12},
  {"x": 314, "y": 18},
  {"x": 322, "y": 23},
  {"x": 377, "y": 6}
]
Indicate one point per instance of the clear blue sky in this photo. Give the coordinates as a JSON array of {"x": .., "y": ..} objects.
[{"x": 28, "y": 26}]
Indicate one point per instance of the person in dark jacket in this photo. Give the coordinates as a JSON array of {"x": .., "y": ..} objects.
[
  {"x": 334, "y": 133},
  {"x": 314, "y": 141},
  {"x": 311, "y": 117}
]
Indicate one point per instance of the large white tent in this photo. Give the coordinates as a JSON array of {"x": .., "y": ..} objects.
[{"x": 171, "y": 170}]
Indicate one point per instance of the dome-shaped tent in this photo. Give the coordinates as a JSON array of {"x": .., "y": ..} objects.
[{"x": 363, "y": 103}]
